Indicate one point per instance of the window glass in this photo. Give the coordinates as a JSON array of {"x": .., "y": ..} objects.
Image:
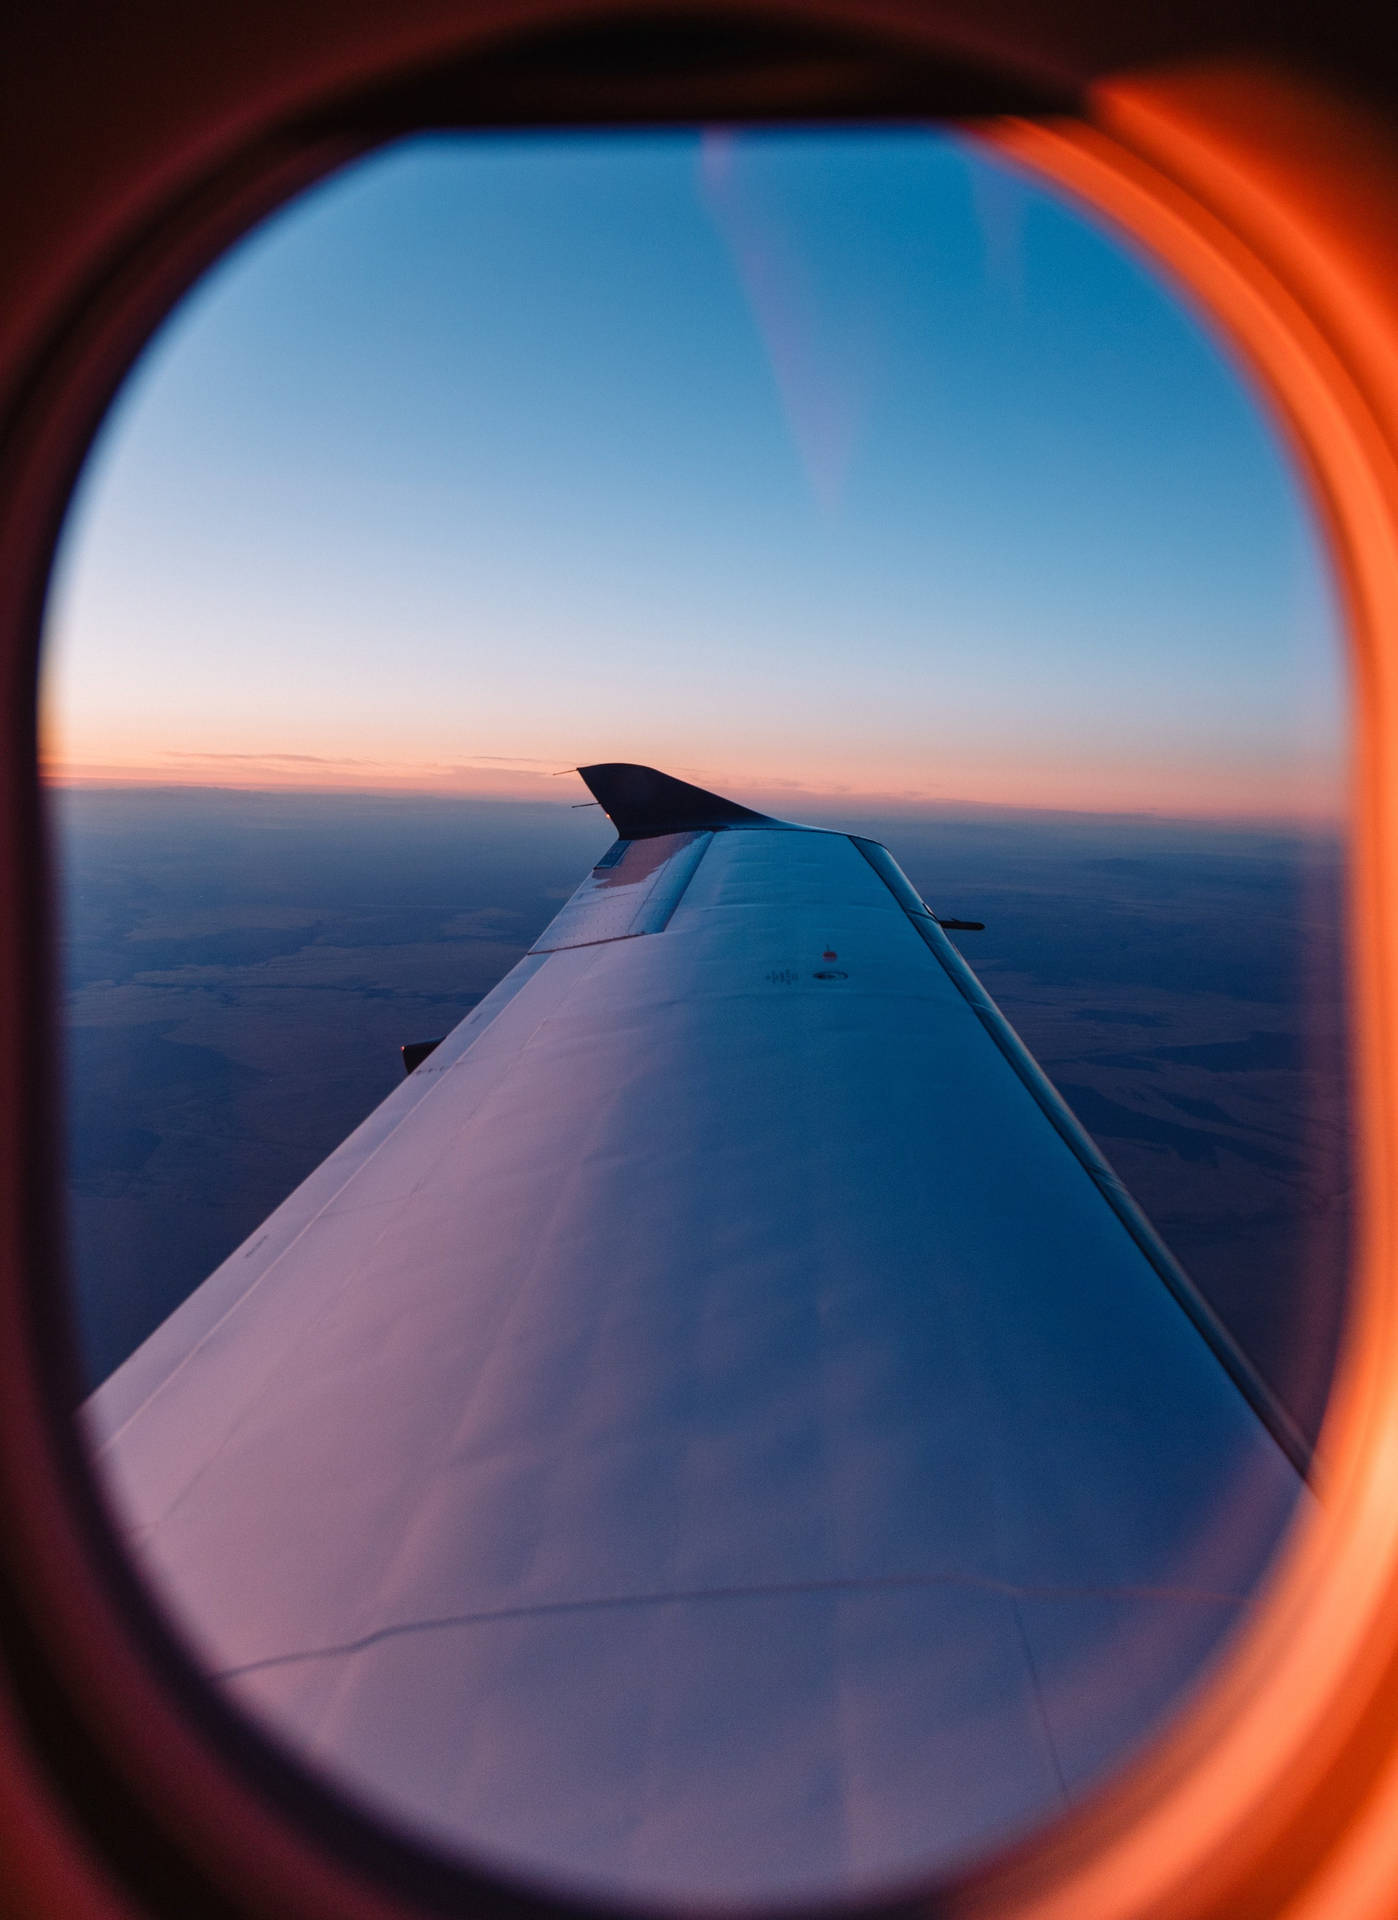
[{"x": 699, "y": 1541}]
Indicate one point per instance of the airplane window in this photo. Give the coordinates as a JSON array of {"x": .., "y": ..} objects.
[{"x": 796, "y": 1382}]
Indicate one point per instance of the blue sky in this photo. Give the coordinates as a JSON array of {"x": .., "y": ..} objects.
[{"x": 846, "y": 461}]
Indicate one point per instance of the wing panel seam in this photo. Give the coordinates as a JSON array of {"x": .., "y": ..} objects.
[{"x": 1230, "y": 1356}]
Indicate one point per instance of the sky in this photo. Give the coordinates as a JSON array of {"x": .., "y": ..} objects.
[{"x": 798, "y": 463}]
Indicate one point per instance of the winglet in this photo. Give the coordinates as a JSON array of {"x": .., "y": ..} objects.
[{"x": 641, "y": 803}]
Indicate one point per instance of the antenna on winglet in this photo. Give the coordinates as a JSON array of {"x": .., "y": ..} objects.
[{"x": 643, "y": 803}]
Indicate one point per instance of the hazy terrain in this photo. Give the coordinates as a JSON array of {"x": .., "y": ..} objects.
[{"x": 242, "y": 968}]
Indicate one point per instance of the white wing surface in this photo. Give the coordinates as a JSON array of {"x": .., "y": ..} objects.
[{"x": 717, "y": 1431}]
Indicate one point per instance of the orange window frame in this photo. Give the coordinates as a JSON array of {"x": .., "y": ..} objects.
[{"x": 1272, "y": 200}]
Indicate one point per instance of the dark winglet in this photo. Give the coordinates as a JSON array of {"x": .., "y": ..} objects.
[{"x": 641, "y": 803}]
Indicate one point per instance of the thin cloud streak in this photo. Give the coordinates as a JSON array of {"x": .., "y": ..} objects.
[{"x": 820, "y": 389}]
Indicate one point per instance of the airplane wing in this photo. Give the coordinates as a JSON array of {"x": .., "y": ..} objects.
[{"x": 718, "y": 1430}]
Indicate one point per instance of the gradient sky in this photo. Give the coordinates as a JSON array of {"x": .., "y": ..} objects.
[{"x": 849, "y": 462}]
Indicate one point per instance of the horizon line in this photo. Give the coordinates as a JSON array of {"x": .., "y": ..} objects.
[{"x": 116, "y": 780}]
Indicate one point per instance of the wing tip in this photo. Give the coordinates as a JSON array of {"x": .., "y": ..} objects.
[{"x": 642, "y": 802}]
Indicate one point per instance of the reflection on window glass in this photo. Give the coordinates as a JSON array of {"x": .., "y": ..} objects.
[{"x": 714, "y": 1432}]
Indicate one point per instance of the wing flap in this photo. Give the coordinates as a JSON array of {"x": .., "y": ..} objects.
[{"x": 633, "y": 890}]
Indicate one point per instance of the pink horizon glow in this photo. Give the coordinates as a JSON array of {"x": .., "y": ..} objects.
[{"x": 1299, "y": 794}]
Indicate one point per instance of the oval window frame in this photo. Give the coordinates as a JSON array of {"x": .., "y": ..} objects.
[{"x": 1271, "y": 201}]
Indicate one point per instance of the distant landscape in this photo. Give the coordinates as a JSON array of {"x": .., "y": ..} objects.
[{"x": 242, "y": 968}]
